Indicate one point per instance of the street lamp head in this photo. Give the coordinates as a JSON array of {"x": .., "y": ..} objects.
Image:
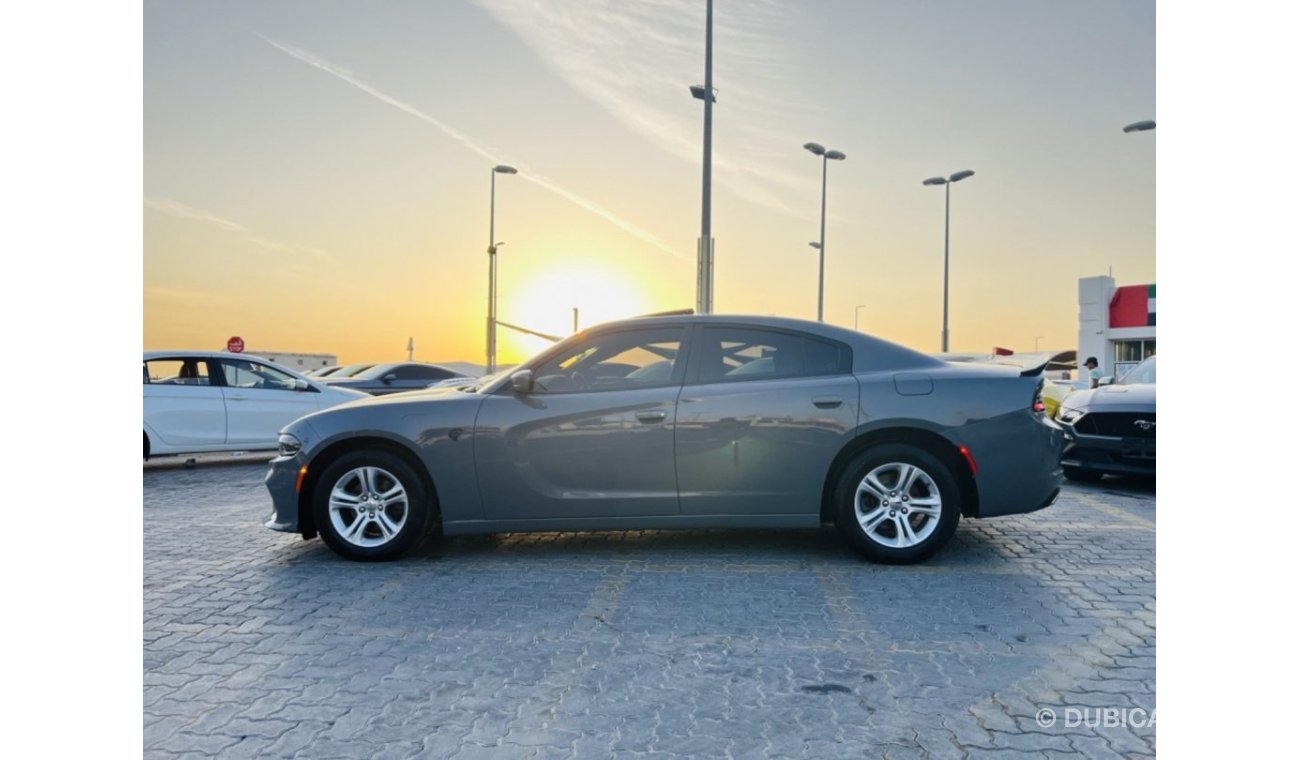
[
  {"x": 697, "y": 92},
  {"x": 835, "y": 155},
  {"x": 961, "y": 175},
  {"x": 935, "y": 181},
  {"x": 816, "y": 245},
  {"x": 1140, "y": 126},
  {"x": 493, "y": 248},
  {"x": 503, "y": 169},
  {"x": 814, "y": 149}
]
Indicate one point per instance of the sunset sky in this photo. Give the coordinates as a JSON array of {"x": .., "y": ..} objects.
[{"x": 316, "y": 175}]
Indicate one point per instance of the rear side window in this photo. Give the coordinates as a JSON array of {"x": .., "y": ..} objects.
[
  {"x": 741, "y": 354},
  {"x": 178, "y": 371}
]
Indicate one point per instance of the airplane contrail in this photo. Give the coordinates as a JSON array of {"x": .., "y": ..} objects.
[{"x": 339, "y": 72}]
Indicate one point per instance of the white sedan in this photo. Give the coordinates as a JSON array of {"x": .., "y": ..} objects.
[{"x": 212, "y": 401}]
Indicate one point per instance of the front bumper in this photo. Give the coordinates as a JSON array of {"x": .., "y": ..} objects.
[
  {"x": 282, "y": 482},
  {"x": 1108, "y": 454}
]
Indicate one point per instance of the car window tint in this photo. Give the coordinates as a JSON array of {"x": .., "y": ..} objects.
[
  {"x": 240, "y": 373},
  {"x": 178, "y": 371},
  {"x": 821, "y": 357},
  {"x": 417, "y": 372},
  {"x": 739, "y": 354},
  {"x": 622, "y": 360}
]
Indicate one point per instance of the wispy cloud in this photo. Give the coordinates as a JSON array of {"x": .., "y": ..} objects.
[
  {"x": 466, "y": 141},
  {"x": 635, "y": 59},
  {"x": 180, "y": 210}
]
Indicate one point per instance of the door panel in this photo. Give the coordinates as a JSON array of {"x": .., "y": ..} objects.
[
  {"x": 761, "y": 447},
  {"x": 260, "y": 400},
  {"x": 592, "y": 437},
  {"x": 577, "y": 454},
  {"x": 181, "y": 404},
  {"x": 762, "y": 416}
]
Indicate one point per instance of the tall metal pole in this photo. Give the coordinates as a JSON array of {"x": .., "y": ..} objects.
[
  {"x": 821, "y": 249},
  {"x": 492, "y": 279},
  {"x": 946, "y": 190},
  {"x": 704, "y": 285}
]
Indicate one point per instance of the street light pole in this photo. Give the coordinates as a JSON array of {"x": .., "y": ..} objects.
[
  {"x": 493, "y": 245},
  {"x": 818, "y": 150},
  {"x": 704, "y": 251},
  {"x": 947, "y": 185},
  {"x": 855, "y": 315}
]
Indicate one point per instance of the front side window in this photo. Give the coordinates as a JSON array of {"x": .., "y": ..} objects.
[
  {"x": 739, "y": 354},
  {"x": 622, "y": 360},
  {"x": 241, "y": 373},
  {"x": 179, "y": 371}
]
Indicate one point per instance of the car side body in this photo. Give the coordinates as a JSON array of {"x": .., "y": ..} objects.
[
  {"x": 713, "y": 432},
  {"x": 205, "y": 401}
]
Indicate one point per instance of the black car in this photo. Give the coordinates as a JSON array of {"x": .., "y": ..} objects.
[
  {"x": 1111, "y": 429},
  {"x": 394, "y": 377}
]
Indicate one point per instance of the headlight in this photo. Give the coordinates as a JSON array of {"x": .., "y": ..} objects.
[
  {"x": 289, "y": 445},
  {"x": 1068, "y": 416}
]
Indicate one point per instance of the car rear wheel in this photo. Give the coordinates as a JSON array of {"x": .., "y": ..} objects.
[
  {"x": 371, "y": 506},
  {"x": 897, "y": 504},
  {"x": 1081, "y": 476}
]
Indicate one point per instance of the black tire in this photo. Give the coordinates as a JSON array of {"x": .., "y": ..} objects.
[
  {"x": 887, "y": 463},
  {"x": 373, "y": 530},
  {"x": 1081, "y": 476},
  {"x": 146, "y": 447}
]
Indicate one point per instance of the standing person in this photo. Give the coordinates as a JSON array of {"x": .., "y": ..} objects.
[{"x": 1094, "y": 373}]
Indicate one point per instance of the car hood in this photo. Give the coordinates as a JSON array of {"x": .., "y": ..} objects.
[{"x": 1112, "y": 396}]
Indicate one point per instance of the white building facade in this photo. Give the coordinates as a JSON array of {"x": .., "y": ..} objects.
[{"x": 1116, "y": 324}]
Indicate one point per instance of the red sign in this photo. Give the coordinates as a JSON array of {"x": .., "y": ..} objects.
[{"x": 235, "y": 345}]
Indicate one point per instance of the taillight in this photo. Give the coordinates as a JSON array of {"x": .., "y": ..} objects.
[{"x": 1038, "y": 406}]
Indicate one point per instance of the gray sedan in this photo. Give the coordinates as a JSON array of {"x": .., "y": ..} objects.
[{"x": 680, "y": 422}]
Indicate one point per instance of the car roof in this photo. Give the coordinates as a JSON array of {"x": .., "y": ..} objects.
[
  {"x": 186, "y": 353},
  {"x": 868, "y": 349}
]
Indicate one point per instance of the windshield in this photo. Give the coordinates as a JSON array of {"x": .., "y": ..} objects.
[{"x": 1142, "y": 374}]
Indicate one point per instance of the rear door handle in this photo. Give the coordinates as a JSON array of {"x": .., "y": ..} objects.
[
  {"x": 827, "y": 402},
  {"x": 651, "y": 417}
]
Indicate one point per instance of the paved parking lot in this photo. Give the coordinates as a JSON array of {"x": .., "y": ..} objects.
[{"x": 647, "y": 644}]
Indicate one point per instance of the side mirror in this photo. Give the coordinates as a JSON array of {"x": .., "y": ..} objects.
[
  {"x": 300, "y": 384},
  {"x": 522, "y": 381},
  {"x": 390, "y": 377}
]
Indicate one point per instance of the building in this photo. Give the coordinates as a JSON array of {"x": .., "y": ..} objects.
[
  {"x": 301, "y": 363},
  {"x": 1116, "y": 324}
]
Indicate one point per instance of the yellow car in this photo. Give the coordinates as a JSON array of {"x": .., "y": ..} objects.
[{"x": 1055, "y": 391}]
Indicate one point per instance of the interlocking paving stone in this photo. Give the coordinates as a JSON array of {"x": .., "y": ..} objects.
[{"x": 643, "y": 643}]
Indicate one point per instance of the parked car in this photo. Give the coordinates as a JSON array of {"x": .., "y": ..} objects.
[
  {"x": 680, "y": 422},
  {"x": 1055, "y": 391},
  {"x": 349, "y": 370},
  {"x": 1111, "y": 429},
  {"x": 196, "y": 401},
  {"x": 394, "y": 377}
]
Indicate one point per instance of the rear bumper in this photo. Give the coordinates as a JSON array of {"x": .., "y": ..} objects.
[{"x": 1019, "y": 460}]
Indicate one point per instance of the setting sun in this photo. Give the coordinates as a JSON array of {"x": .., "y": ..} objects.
[{"x": 546, "y": 296}]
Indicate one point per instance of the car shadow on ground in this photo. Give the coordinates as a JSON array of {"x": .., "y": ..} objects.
[{"x": 705, "y": 548}]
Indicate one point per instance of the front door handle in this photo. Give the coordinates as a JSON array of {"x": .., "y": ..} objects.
[
  {"x": 827, "y": 402},
  {"x": 651, "y": 417}
]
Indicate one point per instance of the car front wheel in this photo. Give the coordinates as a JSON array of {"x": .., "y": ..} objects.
[
  {"x": 897, "y": 504},
  {"x": 371, "y": 506}
]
